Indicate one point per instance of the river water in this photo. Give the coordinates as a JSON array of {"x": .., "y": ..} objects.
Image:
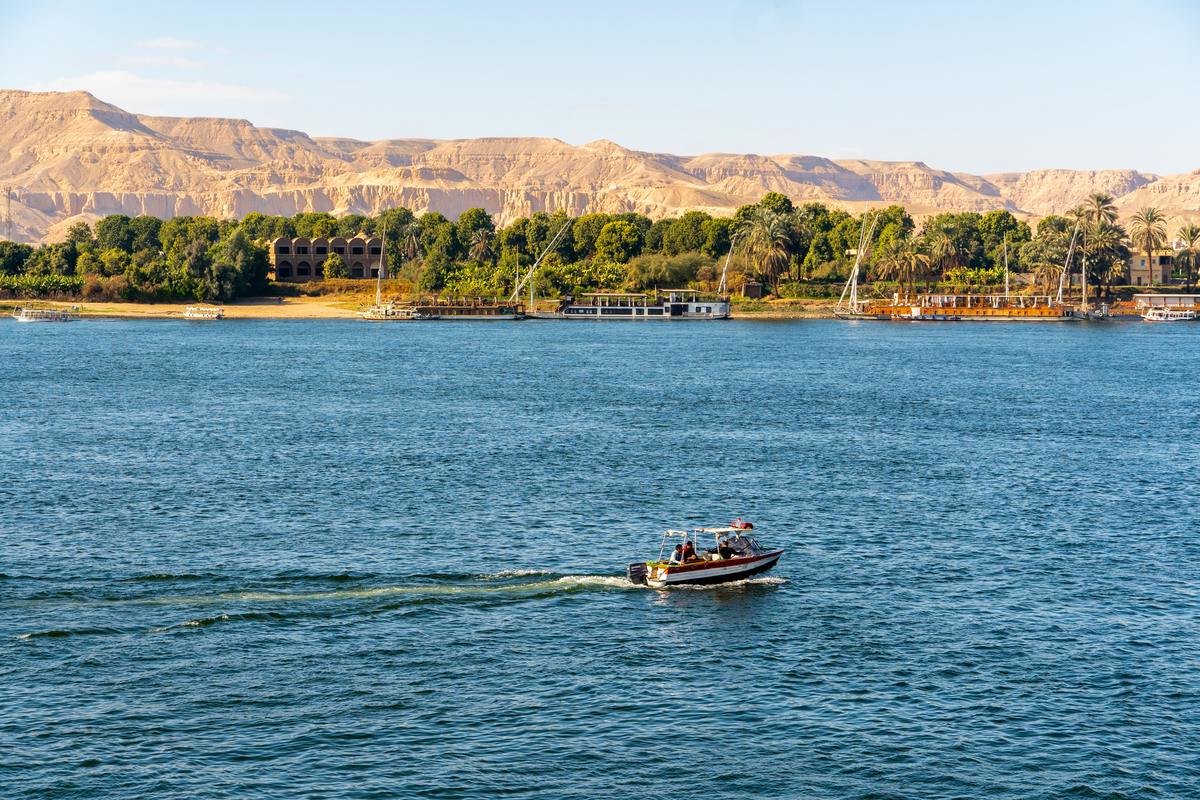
[{"x": 328, "y": 559}]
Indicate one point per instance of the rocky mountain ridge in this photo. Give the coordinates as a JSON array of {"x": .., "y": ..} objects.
[{"x": 70, "y": 156}]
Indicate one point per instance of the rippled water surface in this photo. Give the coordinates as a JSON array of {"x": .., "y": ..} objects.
[{"x": 339, "y": 560}]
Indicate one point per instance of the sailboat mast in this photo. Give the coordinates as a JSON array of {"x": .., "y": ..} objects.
[
  {"x": 1006, "y": 266},
  {"x": 1083, "y": 274},
  {"x": 379, "y": 271},
  {"x": 721, "y": 290},
  {"x": 1062, "y": 277}
]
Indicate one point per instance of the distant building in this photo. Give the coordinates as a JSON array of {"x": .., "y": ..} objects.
[
  {"x": 303, "y": 259},
  {"x": 1157, "y": 274}
]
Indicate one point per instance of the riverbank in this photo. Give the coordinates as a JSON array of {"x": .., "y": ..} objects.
[{"x": 344, "y": 306}]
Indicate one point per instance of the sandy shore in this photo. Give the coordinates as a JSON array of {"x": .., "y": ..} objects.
[{"x": 348, "y": 306}]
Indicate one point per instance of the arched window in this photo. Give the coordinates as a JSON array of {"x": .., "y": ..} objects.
[
  {"x": 357, "y": 270},
  {"x": 283, "y": 269},
  {"x": 303, "y": 269}
]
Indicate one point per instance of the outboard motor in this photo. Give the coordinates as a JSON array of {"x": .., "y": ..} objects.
[{"x": 637, "y": 572}]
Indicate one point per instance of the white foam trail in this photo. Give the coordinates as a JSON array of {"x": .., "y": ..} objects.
[
  {"x": 512, "y": 573},
  {"x": 609, "y": 581}
]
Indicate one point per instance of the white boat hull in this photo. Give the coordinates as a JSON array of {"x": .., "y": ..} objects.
[{"x": 710, "y": 572}]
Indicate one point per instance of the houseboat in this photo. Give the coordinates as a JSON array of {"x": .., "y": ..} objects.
[
  {"x": 665, "y": 304},
  {"x": 42, "y": 315},
  {"x": 967, "y": 307},
  {"x": 469, "y": 308}
]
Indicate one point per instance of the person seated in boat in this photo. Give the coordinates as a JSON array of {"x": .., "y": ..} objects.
[
  {"x": 677, "y": 556},
  {"x": 725, "y": 549},
  {"x": 689, "y": 553}
]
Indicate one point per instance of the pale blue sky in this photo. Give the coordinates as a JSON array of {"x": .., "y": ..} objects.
[{"x": 979, "y": 87}]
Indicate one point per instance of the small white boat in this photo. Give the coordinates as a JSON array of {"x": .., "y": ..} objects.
[
  {"x": 42, "y": 315},
  {"x": 1164, "y": 314},
  {"x": 204, "y": 312},
  {"x": 389, "y": 312},
  {"x": 734, "y": 556}
]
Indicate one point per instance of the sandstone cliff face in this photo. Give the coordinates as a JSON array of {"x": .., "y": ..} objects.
[{"x": 70, "y": 156}]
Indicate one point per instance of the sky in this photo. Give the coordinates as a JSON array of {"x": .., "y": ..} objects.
[{"x": 968, "y": 86}]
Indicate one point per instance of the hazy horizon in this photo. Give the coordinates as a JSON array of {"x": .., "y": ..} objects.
[{"x": 975, "y": 90}]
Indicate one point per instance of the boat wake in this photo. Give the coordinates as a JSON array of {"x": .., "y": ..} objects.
[{"x": 288, "y": 603}]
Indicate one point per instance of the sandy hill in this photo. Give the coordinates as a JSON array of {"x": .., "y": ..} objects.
[{"x": 70, "y": 156}]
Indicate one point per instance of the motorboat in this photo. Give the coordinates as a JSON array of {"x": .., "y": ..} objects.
[
  {"x": 42, "y": 315},
  {"x": 735, "y": 554},
  {"x": 1164, "y": 314}
]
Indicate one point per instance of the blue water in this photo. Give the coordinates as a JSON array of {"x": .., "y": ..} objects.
[{"x": 337, "y": 560}]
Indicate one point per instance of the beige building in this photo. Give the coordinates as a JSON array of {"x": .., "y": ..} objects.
[
  {"x": 1159, "y": 272},
  {"x": 303, "y": 259}
]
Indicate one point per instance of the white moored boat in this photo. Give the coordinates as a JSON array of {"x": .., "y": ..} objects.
[
  {"x": 42, "y": 315},
  {"x": 1164, "y": 314},
  {"x": 204, "y": 312},
  {"x": 734, "y": 556},
  {"x": 667, "y": 304}
]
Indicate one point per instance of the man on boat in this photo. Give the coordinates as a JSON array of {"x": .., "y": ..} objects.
[
  {"x": 689, "y": 552},
  {"x": 677, "y": 556}
]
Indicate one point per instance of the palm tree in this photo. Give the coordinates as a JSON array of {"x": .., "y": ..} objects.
[
  {"x": 1099, "y": 208},
  {"x": 903, "y": 262},
  {"x": 767, "y": 237},
  {"x": 1046, "y": 275},
  {"x": 1190, "y": 235},
  {"x": 481, "y": 244},
  {"x": 943, "y": 253},
  {"x": 1148, "y": 231},
  {"x": 410, "y": 244},
  {"x": 1108, "y": 252}
]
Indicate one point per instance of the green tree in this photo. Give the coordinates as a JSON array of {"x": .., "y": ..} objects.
[
  {"x": 114, "y": 262},
  {"x": 717, "y": 233},
  {"x": 471, "y": 222},
  {"x": 779, "y": 203},
  {"x": 114, "y": 231},
  {"x": 13, "y": 257},
  {"x": 1148, "y": 232},
  {"x": 80, "y": 235},
  {"x": 686, "y": 234},
  {"x": 349, "y": 225},
  {"x": 997, "y": 227},
  {"x": 618, "y": 242},
  {"x": 482, "y": 245},
  {"x": 143, "y": 233},
  {"x": 586, "y": 231},
  {"x": 1189, "y": 235},
  {"x": 336, "y": 267},
  {"x": 766, "y": 236},
  {"x": 653, "y": 238}
]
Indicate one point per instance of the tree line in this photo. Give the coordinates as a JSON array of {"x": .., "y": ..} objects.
[{"x": 794, "y": 250}]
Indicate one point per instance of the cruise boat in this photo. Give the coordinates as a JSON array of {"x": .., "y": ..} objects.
[
  {"x": 42, "y": 315},
  {"x": 1165, "y": 314},
  {"x": 667, "y": 304},
  {"x": 204, "y": 312},
  {"x": 735, "y": 555}
]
